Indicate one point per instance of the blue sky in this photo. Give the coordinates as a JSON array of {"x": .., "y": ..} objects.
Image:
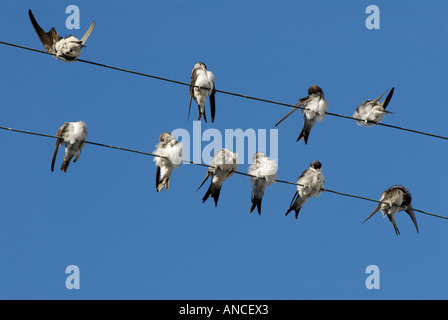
[{"x": 130, "y": 242}]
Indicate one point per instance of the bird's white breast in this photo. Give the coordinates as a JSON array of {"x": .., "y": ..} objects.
[
  {"x": 204, "y": 79},
  {"x": 310, "y": 184},
  {"x": 316, "y": 109},
  {"x": 266, "y": 168},
  {"x": 76, "y": 132}
]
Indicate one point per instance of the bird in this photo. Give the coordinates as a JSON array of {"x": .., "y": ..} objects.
[
  {"x": 67, "y": 49},
  {"x": 395, "y": 199},
  {"x": 371, "y": 112},
  {"x": 266, "y": 172},
  {"x": 73, "y": 135},
  {"x": 171, "y": 156},
  {"x": 203, "y": 78},
  {"x": 314, "y": 107},
  {"x": 310, "y": 184},
  {"x": 224, "y": 163}
]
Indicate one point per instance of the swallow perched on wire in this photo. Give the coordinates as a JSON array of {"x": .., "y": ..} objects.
[
  {"x": 266, "y": 172},
  {"x": 397, "y": 198},
  {"x": 314, "y": 108},
  {"x": 66, "y": 49},
  {"x": 224, "y": 163},
  {"x": 371, "y": 112},
  {"x": 205, "y": 79},
  {"x": 171, "y": 156},
  {"x": 73, "y": 135},
  {"x": 310, "y": 184}
]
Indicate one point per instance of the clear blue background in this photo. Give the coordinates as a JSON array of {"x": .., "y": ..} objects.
[{"x": 130, "y": 242}]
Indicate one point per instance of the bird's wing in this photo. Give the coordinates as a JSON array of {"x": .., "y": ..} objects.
[
  {"x": 294, "y": 198},
  {"x": 205, "y": 179},
  {"x": 189, "y": 108},
  {"x": 394, "y": 223},
  {"x": 47, "y": 38},
  {"x": 378, "y": 99},
  {"x": 78, "y": 154},
  {"x": 387, "y": 100},
  {"x": 87, "y": 34},
  {"x": 194, "y": 76},
  {"x": 410, "y": 212},
  {"x": 374, "y": 211},
  {"x": 212, "y": 104},
  {"x": 157, "y": 178},
  {"x": 299, "y": 104},
  {"x": 58, "y": 142}
]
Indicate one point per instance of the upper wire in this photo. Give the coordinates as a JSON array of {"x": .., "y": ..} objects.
[
  {"x": 227, "y": 92},
  {"x": 223, "y": 92}
]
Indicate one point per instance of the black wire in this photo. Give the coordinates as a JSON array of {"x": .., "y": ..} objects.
[
  {"x": 228, "y": 93},
  {"x": 224, "y": 92},
  {"x": 209, "y": 166}
]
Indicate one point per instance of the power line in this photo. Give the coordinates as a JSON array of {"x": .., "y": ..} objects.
[
  {"x": 209, "y": 166},
  {"x": 227, "y": 92},
  {"x": 223, "y": 92}
]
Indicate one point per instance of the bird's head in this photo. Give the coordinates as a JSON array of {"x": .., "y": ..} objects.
[
  {"x": 315, "y": 90},
  {"x": 258, "y": 155},
  {"x": 166, "y": 138},
  {"x": 200, "y": 65},
  {"x": 316, "y": 165}
]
